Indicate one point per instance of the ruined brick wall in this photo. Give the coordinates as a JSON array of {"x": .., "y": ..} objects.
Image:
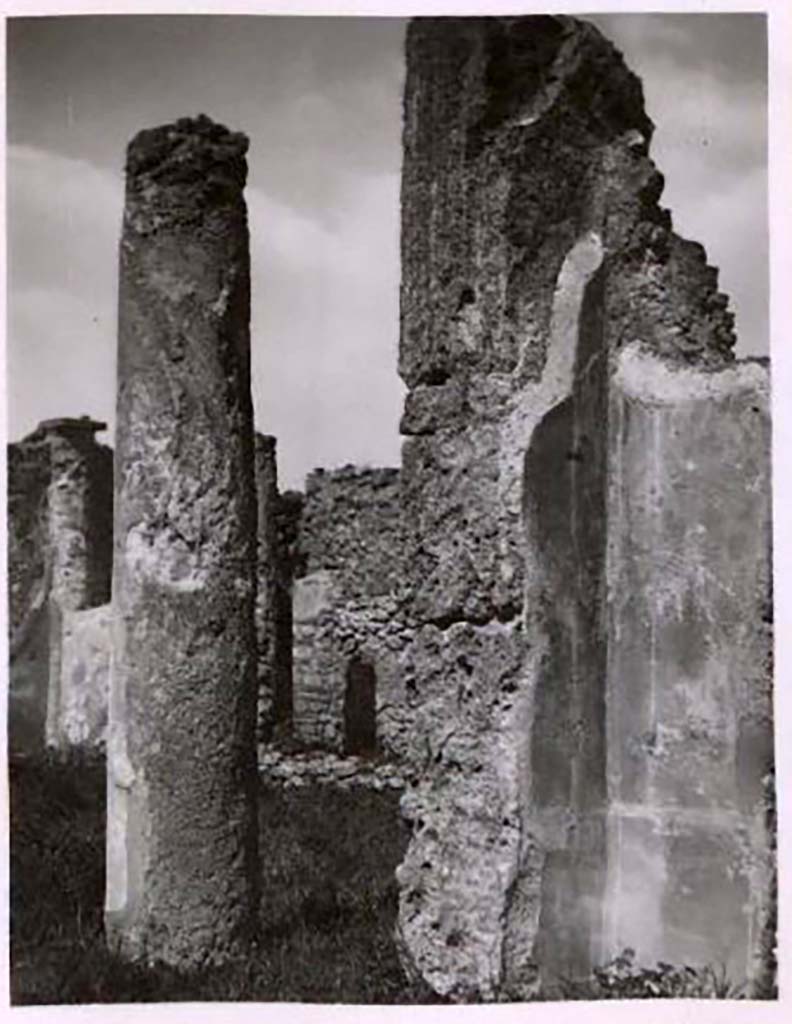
[
  {"x": 533, "y": 251},
  {"x": 347, "y": 609},
  {"x": 60, "y": 484}
]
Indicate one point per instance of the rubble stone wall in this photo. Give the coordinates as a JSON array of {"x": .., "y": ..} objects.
[
  {"x": 346, "y": 607},
  {"x": 533, "y": 251}
]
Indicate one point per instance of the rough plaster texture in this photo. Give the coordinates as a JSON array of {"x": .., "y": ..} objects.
[
  {"x": 351, "y": 525},
  {"x": 533, "y": 249},
  {"x": 273, "y": 599},
  {"x": 346, "y": 608},
  {"x": 689, "y": 679},
  {"x": 60, "y": 507},
  {"x": 182, "y": 832},
  {"x": 84, "y": 677}
]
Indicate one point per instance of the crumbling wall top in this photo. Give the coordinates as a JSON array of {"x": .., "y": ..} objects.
[
  {"x": 351, "y": 525},
  {"x": 520, "y": 136},
  {"x": 72, "y": 424}
]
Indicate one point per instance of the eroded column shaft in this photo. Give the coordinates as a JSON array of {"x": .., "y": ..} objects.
[{"x": 182, "y": 874}]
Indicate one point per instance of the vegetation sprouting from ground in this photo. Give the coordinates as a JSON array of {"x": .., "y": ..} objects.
[
  {"x": 328, "y": 897},
  {"x": 327, "y": 885}
]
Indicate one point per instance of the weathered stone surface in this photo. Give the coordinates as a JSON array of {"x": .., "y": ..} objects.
[
  {"x": 533, "y": 250},
  {"x": 331, "y": 636},
  {"x": 60, "y": 508},
  {"x": 350, "y": 638},
  {"x": 273, "y": 600},
  {"x": 690, "y": 736},
  {"x": 351, "y": 526},
  {"x": 295, "y": 771},
  {"x": 86, "y": 641},
  {"x": 182, "y": 832}
]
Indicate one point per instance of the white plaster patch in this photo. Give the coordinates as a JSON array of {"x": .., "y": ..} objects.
[
  {"x": 163, "y": 559},
  {"x": 643, "y": 375},
  {"x": 580, "y": 264},
  {"x": 313, "y": 594}
]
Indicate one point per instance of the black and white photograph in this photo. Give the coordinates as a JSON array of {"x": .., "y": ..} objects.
[{"x": 392, "y": 509}]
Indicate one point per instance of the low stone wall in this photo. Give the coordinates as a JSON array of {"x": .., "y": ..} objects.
[{"x": 296, "y": 771}]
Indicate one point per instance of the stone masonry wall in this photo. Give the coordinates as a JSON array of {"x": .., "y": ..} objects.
[
  {"x": 347, "y": 607},
  {"x": 533, "y": 251}
]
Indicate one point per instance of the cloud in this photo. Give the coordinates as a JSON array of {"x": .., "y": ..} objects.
[
  {"x": 325, "y": 328},
  {"x": 60, "y": 357},
  {"x": 64, "y": 217},
  {"x": 324, "y": 313},
  {"x": 62, "y": 255}
]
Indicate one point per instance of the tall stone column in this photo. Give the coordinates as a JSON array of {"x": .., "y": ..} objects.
[{"x": 182, "y": 861}]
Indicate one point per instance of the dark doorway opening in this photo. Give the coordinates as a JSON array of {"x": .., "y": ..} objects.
[{"x": 360, "y": 709}]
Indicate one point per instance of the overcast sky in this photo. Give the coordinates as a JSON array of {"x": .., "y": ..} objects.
[{"x": 321, "y": 102}]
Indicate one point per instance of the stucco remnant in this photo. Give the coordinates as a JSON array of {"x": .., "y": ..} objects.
[
  {"x": 182, "y": 829},
  {"x": 533, "y": 251},
  {"x": 690, "y": 739},
  {"x": 86, "y": 642}
]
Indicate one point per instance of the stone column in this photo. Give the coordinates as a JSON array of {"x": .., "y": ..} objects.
[
  {"x": 60, "y": 511},
  {"x": 182, "y": 861},
  {"x": 79, "y": 539},
  {"x": 273, "y": 632}
]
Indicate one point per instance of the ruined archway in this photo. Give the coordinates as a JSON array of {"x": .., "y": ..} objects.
[{"x": 360, "y": 708}]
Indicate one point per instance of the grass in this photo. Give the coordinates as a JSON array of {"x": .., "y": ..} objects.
[
  {"x": 328, "y": 895},
  {"x": 328, "y": 889},
  {"x": 622, "y": 978}
]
